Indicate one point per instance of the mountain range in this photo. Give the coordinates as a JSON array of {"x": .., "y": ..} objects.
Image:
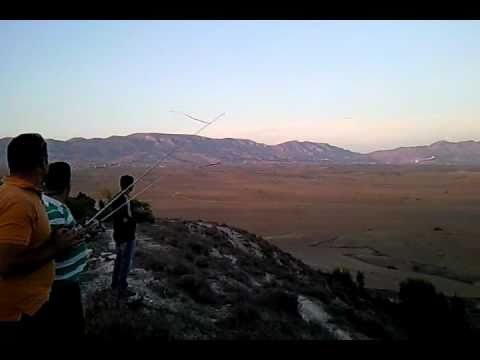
[{"x": 145, "y": 148}]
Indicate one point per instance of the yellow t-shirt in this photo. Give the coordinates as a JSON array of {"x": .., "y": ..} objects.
[{"x": 23, "y": 221}]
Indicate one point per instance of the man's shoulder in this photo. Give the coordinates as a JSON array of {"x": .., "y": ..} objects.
[
  {"x": 8, "y": 192},
  {"x": 56, "y": 209},
  {"x": 50, "y": 202},
  {"x": 122, "y": 199},
  {"x": 13, "y": 196}
]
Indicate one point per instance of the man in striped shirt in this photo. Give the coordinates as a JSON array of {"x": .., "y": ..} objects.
[{"x": 65, "y": 299}]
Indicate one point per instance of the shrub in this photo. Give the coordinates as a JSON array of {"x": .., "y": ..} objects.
[
  {"x": 197, "y": 247},
  {"x": 143, "y": 211},
  {"x": 111, "y": 323},
  {"x": 427, "y": 313},
  {"x": 106, "y": 194},
  {"x": 82, "y": 207},
  {"x": 360, "y": 280},
  {"x": 101, "y": 204},
  {"x": 280, "y": 301},
  {"x": 244, "y": 316},
  {"x": 416, "y": 291},
  {"x": 180, "y": 269},
  {"x": 198, "y": 289},
  {"x": 344, "y": 277}
]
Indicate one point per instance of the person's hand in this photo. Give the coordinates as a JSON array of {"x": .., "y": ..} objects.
[
  {"x": 86, "y": 233},
  {"x": 82, "y": 231},
  {"x": 95, "y": 224},
  {"x": 65, "y": 238}
]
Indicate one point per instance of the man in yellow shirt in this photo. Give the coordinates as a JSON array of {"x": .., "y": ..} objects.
[{"x": 27, "y": 246}]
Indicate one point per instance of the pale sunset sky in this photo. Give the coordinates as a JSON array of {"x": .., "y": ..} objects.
[{"x": 361, "y": 85}]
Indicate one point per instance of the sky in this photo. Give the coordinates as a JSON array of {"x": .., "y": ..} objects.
[{"x": 361, "y": 85}]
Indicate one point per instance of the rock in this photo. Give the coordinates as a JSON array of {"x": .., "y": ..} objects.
[
  {"x": 215, "y": 253},
  {"x": 268, "y": 278},
  {"x": 311, "y": 312},
  {"x": 111, "y": 246},
  {"x": 314, "y": 312},
  {"x": 138, "y": 272},
  {"x": 339, "y": 304}
]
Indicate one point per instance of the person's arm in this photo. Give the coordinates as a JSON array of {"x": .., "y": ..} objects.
[
  {"x": 16, "y": 254},
  {"x": 18, "y": 259}
]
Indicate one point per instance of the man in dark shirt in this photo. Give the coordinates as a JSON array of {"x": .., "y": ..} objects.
[{"x": 124, "y": 226}]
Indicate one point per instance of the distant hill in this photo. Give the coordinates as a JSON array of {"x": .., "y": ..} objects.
[
  {"x": 442, "y": 153},
  {"x": 146, "y": 148}
]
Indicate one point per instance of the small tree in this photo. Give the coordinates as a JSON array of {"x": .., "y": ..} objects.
[
  {"x": 360, "y": 280},
  {"x": 106, "y": 194},
  {"x": 101, "y": 204},
  {"x": 343, "y": 276},
  {"x": 427, "y": 313},
  {"x": 417, "y": 291}
]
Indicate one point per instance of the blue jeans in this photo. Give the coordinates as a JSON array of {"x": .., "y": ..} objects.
[{"x": 123, "y": 263}]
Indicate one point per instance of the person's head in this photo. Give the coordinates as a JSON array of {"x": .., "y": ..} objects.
[
  {"x": 125, "y": 182},
  {"x": 27, "y": 157},
  {"x": 58, "y": 179}
]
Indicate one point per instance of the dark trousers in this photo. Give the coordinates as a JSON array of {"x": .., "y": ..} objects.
[
  {"x": 66, "y": 309},
  {"x": 37, "y": 326},
  {"x": 123, "y": 263}
]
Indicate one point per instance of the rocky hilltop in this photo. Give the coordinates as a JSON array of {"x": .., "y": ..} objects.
[{"x": 198, "y": 280}]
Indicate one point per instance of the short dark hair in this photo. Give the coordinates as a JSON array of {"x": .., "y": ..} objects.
[
  {"x": 126, "y": 181},
  {"x": 58, "y": 177},
  {"x": 26, "y": 152}
]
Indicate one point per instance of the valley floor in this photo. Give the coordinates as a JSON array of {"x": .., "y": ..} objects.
[{"x": 389, "y": 222}]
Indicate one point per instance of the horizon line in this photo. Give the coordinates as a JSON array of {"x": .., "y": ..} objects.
[{"x": 260, "y": 143}]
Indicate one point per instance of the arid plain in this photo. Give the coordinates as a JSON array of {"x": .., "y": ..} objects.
[{"x": 391, "y": 222}]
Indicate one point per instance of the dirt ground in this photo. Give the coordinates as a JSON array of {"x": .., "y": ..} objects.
[{"x": 391, "y": 222}]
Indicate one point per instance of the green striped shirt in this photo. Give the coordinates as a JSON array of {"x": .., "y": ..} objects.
[{"x": 70, "y": 264}]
